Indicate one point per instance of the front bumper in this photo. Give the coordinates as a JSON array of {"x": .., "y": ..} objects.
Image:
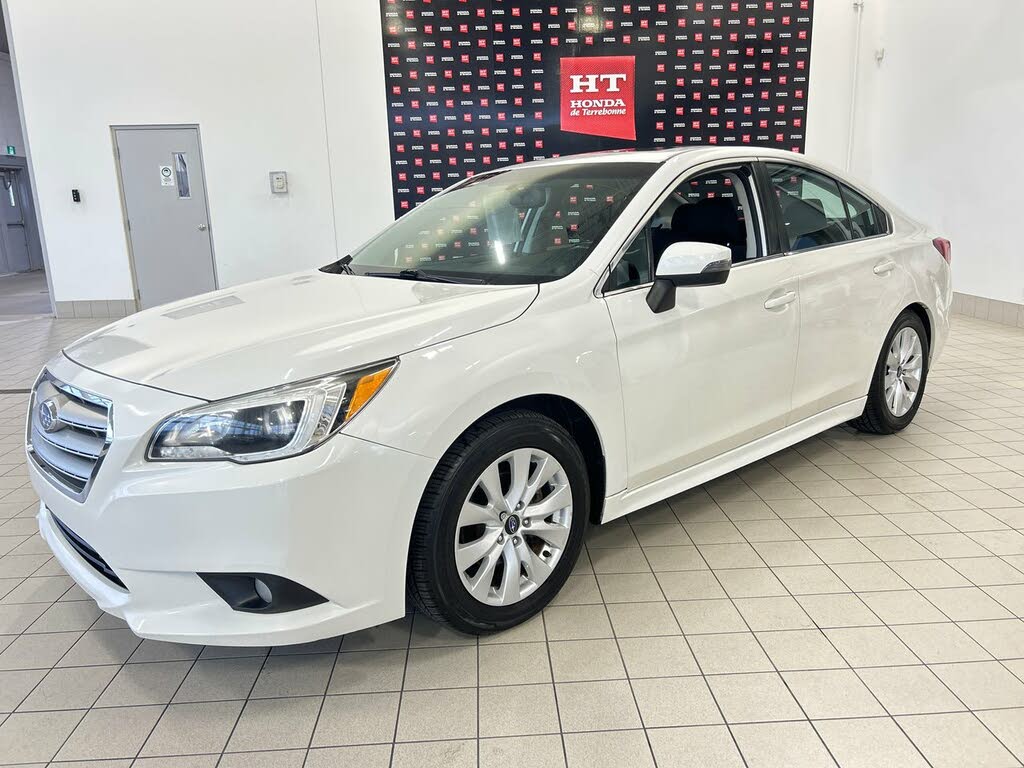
[{"x": 335, "y": 520}]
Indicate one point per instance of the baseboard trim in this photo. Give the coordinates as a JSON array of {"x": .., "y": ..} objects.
[
  {"x": 993, "y": 310},
  {"x": 631, "y": 500},
  {"x": 103, "y": 309}
]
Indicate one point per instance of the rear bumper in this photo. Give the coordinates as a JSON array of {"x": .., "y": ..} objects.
[{"x": 336, "y": 520}]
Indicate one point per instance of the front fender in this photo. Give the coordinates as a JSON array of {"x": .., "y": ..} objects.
[{"x": 439, "y": 391}]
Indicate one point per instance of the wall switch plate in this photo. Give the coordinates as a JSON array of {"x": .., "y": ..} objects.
[{"x": 279, "y": 182}]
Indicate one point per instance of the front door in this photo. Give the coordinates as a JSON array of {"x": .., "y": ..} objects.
[
  {"x": 165, "y": 205},
  {"x": 716, "y": 371}
]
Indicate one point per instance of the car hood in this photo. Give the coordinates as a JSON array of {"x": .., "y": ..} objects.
[{"x": 290, "y": 328}]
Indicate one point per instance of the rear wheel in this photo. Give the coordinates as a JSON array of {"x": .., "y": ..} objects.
[
  {"x": 897, "y": 385},
  {"x": 500, "y": 525}
]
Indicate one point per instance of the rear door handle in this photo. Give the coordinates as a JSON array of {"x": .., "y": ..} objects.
[
  {"x": 780, "y": 301},
  {"x": 884, "y": 268}
]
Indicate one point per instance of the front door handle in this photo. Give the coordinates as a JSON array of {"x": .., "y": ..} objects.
[
  {"x": 884, "y": 268},
  {"x": 780, "y": 301}
]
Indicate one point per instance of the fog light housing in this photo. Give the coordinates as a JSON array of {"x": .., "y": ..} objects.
[{"x": 261, "y": 592}]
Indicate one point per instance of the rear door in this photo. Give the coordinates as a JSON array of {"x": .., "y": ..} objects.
[
  {"x": 716, "y": 371},
  {"x": 851, "y": 285}
]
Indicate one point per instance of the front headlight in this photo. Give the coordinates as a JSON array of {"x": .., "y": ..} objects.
[{"x": 272, "y": 424}]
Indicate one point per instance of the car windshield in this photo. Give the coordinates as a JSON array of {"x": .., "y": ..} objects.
[{"x": 515, "y": 226}]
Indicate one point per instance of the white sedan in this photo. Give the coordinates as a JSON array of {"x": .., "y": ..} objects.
[{"x": 442, "y": 414}]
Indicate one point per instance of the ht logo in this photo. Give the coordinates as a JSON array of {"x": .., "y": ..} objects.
[{"x": 589, "y": 83}]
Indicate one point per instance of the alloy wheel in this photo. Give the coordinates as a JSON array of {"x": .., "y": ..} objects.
[
  {"x": 513, "y": 527},
  {"x": 904, "y": 365}
]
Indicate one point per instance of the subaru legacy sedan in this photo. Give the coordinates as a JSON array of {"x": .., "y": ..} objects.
[{"x": 438, "y": 417}]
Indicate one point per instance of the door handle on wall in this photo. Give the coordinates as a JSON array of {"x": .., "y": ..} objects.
[
  {"x": 780, "y": 301},
  {"x": 884, "y": 268}
]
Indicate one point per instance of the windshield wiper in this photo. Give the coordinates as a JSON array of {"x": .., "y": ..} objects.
[
  {"x": 417, "y": 274},
  {"x": 341, "y": 266}
]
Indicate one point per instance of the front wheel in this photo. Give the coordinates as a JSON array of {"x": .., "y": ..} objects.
[
  {"x": 500, "y": 524},
  {"x": 897, "y": 385}
]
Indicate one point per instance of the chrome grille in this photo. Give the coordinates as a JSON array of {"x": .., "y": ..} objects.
[{"x": 69, "y": 431}]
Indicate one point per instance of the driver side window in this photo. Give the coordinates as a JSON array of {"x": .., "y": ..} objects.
[{"x": 713, "y": 207}]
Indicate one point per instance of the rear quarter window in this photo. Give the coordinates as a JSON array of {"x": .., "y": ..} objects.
[{"x": 866, "y": 218}]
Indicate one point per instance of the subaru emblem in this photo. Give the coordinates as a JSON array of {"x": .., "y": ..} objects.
[{"x": 48, "y": 418}]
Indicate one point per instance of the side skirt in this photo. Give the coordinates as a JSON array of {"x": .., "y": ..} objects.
[{"x": 631, "y": 500}]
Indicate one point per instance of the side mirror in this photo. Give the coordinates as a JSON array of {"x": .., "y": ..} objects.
[{"x": 687, "y": 264}]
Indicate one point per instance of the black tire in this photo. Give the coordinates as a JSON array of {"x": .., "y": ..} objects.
[
  {"x": 877, "y": 419},
  {"x": 433, "y": 580}
]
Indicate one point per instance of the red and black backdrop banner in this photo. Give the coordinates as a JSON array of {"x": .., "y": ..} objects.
[{"x": 474, "y": 85}]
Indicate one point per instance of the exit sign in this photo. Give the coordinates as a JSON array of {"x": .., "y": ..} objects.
[{"x": 11, "y": 150}]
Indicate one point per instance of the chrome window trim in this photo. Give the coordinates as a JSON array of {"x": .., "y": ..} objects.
[
  {"x": 813, "y": 248},
  {"x": 41, "y": 465}
]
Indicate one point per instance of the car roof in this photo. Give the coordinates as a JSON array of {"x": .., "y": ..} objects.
[{"x": 697, "y": 153}]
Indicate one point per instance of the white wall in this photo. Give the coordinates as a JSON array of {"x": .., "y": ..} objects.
[
  {"x": 249, "y": 73},
  {"x": 943, "y": 115},
  {"x": 10, "y": 121},
  {"x": 272, "y": 85},
  {"x": 833, "y": 37},
  {"x": 357, "y": 119}
]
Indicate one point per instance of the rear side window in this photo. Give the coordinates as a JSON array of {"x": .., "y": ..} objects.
[
  {"x": 866, "y": 218},
  {"x": 813, "y": 212}
]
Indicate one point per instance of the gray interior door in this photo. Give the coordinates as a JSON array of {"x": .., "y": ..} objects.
[
  {"x": 165, "y": 201},
  {"x": 12, "y": 218}
]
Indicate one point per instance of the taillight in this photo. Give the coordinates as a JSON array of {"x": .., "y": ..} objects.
[{"x": 942, "y": 245}]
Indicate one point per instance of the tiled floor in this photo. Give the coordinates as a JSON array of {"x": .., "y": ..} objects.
[
  {"x": 856, "y": 600},
  {"x": 26, "y": 345},
  {"x": 24, "y": 293}
]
